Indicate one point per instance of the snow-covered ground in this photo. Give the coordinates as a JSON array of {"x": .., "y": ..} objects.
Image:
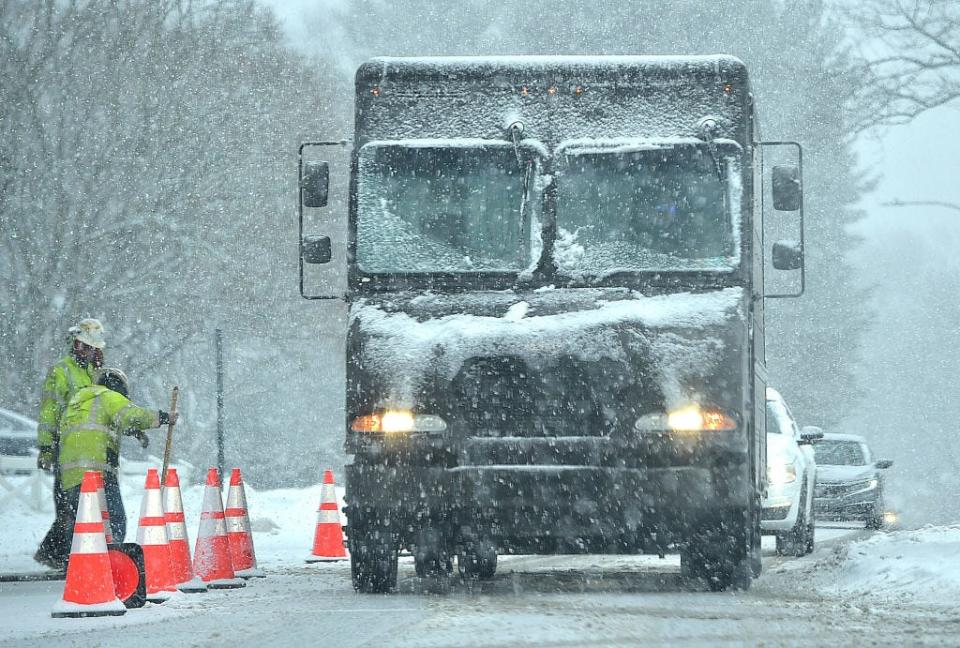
[
  {"x": 896, "y": 588},
  {"x": 283, "y": 521},
  {"x": 911, "y": 567}
]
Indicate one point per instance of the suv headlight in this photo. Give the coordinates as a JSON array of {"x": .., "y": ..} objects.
[
  {"x": 398, "y": 422},
  {"x": 781, "y": 473}
]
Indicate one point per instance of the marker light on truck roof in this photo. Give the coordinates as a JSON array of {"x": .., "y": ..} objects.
[
  {"x": 398, "y": 422},
  {"x": 692, "y": 418}
]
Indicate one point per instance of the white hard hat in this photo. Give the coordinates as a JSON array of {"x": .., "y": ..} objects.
[{"x": 91, "y": 333}]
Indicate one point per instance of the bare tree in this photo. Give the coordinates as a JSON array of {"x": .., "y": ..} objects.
[
  {"x": 147, "y": 176},
  {"x": 908, "y": 59}
]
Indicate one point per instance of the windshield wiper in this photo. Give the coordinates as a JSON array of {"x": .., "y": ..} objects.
[
  {"x": 708, "y": 129},
  {"x": 516, "y": 128}
]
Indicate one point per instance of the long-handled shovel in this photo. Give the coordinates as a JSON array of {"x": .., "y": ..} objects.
[{"x": 166, "y": 449}]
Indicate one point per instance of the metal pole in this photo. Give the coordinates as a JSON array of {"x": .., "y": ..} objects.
[{"x": 218, "y": 338}]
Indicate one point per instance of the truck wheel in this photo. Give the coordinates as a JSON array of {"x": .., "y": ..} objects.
[
  {"x": 431, "y": 558},
  {"x": 373, "y": 562},
  {"x": 478, "y": 561},
  {"x": 720, "y": 553}
]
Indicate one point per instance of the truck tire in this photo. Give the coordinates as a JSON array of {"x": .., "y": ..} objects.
[
  {"x": 478, "y": 561},
  {"x": 720, "y": 553},
  {"x": 373, "y": 562},
  {"x": 431, "y": 558}
]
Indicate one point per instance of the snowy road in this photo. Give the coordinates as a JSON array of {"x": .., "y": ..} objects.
[{"x": 534, "y": 601}]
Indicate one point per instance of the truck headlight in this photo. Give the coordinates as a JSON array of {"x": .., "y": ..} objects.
[
  {"x": 398, "y": 422},
  {"x": 692, "y": 418},
  {"x": 781, "y": 473}
]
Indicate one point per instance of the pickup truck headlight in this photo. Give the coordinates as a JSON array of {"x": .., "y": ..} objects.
[
  {"x": 693, "y": 418},
  {"x": 398, "y": 422},
  {"x": 781, "y": 473}
]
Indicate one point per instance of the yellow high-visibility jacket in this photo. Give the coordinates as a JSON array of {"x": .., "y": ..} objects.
[
  {"x": 91, "y": 426},
  {"x": 62, "y": 382}
]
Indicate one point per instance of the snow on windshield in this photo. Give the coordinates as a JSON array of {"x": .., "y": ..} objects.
[
  {"x": 438, "y": 206},
  {"x": 404, "y": 350},
  {"x": 646, "y": 206}
]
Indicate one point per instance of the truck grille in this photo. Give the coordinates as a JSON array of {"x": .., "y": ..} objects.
[{"x": 501, "y": 396}]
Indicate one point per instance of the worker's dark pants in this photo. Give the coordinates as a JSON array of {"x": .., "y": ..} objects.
[{"x": 56, "y": 544}]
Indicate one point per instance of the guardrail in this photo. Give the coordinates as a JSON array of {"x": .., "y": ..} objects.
[{"x": 35, "y": 490}]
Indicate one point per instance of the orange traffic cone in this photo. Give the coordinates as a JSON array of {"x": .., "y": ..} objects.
[
  {"x": 211, "y": 557},
  {"x": 242, "y": 555},
  {"x": 89, "y": 587},
  {"x": 152, "y": 536},
  {"x": 126, "y": 559},
  {"x": 180, "y": 565},
  {"x": 328, "y": 538}
]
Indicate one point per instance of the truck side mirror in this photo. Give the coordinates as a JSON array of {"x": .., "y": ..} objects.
[
  {"x": 787, "y": 192},
  {"x": 315, "y": 184},
  {"x": 787, "y": 255},
  {"x": 316, "y": 249},
  {"x": 883, "y": 463}
]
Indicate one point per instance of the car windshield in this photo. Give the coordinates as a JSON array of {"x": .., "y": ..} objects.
[
  {"x": 839, "y": 453},
  {"x": 778, "y": 418},
  {"x": 654, "y": 208},
  {"x": 456, "y": 208}
]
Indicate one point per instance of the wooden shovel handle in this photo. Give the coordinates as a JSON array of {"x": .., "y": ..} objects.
[{"x": 166, "y": 449}]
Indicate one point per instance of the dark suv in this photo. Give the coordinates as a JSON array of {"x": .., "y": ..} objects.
[{"x": 849, "y": 480}]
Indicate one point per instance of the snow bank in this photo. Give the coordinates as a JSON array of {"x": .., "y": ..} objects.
[
  {"x": 918, "y": 567},
  {"x": 283, "y": 523}
]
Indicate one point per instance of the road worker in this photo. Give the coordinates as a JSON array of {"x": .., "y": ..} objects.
[
  {"x": 71, "y": 373},
  {"x": 90, "y": 430}
]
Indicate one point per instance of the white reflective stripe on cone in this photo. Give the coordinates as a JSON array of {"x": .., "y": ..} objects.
[
  {"x": 212, "y": 527},
  {"x": 236, "y": 498},
  {"x": 152, "y": 534},
  {"x": 172, "y": 503},
  {"x": 176, "y": 531},
  {"x": 88, "y": 543},
  {"x": 237, "y": 524},
  {"x": 327, "y": 517},
  {"x": 88, "y": 509},
  {"x": 328, "y": 493}
]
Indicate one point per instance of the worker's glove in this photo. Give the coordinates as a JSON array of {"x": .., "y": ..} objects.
[
  {"x": 168, "y": 419},
  {"x": 45, "y": 462}
]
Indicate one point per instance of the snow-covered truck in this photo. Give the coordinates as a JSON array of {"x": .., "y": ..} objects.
[{"x": 555, "y": 281}]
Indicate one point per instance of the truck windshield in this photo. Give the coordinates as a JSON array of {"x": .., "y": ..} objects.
[
  {"x": 660, "y": 208},
  {"x": 442, "y": 208}
]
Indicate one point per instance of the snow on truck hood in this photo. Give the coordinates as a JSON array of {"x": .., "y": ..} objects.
[{"x": 587, "y": 324}]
